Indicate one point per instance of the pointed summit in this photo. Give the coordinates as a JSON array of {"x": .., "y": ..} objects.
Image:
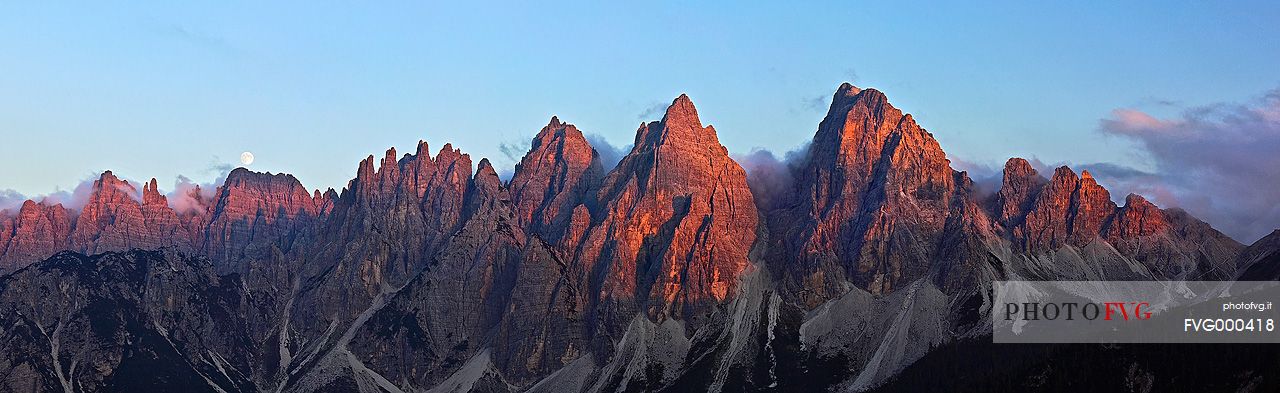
[
  {"x": 560, "y": 171},
  {"x": 1021, "y": 185},
  {"x": 1018, "y": 167},
  {"x": 1069, "y": 210},
  {"x": 35, "y": 232},
  {"x": 676, "y": 220},
  {"x": 847, "y": 89},
  {"x": 555, "y": 126},
  {"x": 108, "y": 186},
  {"x": 1048, "y": 223},
  {"x": 1092, "y": 210},
  {"x": 682, "y": 108},
  {"x": 112, "y": 219},
  {"x": 485, "y": 172},
  {"x": 869, "y": 172},
  {"x": 679, "y": 124},
  {"x": 151, "y": 194},
  {"x": 486, "y": 185}
]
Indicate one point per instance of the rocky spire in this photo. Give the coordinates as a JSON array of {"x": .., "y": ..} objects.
[
  {"x": 870, "y": 175},
  {"x": 1069, "y": 210},
  {"x": 387, "y": 226},
  {"x": 36, "y": 232},
  {"x": 558, "y": 174},
  {"x": 676, "y": 220},
  {"x": 486, "y": 179},
  {"x": 1048, "y": 223},
  {"x": 151, "y": 194},
  {"x": 1137, "y": 218},
  {"x": 112, "y": 218},
  {"x": 1021, "y": 185},
  {"x": 1092, "y": 209}
]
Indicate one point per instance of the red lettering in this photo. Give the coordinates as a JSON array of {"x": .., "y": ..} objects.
[
  {"x": 1123, "y": 312},
  {"x": 1137, "y": 311}
]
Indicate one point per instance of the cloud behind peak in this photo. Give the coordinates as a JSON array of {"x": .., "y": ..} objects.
[{"x": 1221, "y": 162}]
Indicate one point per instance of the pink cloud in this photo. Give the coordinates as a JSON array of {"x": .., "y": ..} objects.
[{"x": 1220, "y": 162}]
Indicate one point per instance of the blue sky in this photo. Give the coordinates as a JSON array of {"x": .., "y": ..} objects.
[{"x": 170, "y": 88}]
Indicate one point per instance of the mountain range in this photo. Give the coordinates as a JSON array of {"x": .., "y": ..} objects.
[{"x": 866, "y": 263}]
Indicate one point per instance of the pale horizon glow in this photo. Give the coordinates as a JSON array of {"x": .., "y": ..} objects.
[{"x": 160, "y": 89}]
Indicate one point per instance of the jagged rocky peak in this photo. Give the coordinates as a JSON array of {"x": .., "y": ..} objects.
[
  {"x": 1137, "y": 218},
  {"x": 1070, "y": 210},
  {"x": 862, "y": 128},
  {"x": 325, "y": 201},
  {"x": 435, "y": 185},
  {"x": 108, "y": 185},
  {"x": 676, "y": 219},
  {"x": 115, "y": 217},
  {"x": 253, "y": 211},
  {"x": 486, "y": 177},
  {"x": 447, "y": 172},
  {"x": 112, "y": 218},
  {"x": 1021, "y": 186},
  {"x": 389, "y": 166},
  {"x": 264, "y": 189},
  {"x": 419, "y": 200},
  {"x": 1074, "y": 211},
  {"x": 680, "y": 123},
  {"x": 380, "y": 179},
  {"x": 108, "y": 194},
  {"x": 863, "y": 132},
  {"x": 151, "y": 194},
  {"x": 847, "y": 89},
  {"x": 558, "y": 173},
  {"x": 1048, "y": 223},
  {"x": 871, "y": 176},
  {"x": 1093, "y": 208},
  {"x": 35, "y": 232},
  {"x": 487, "y": 193}
]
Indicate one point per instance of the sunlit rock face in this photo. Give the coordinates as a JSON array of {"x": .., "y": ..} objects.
[
  {"x": 1075, "y": 212},
  {"x": 113, "y": 219},
  {"x": 666, "y": 273},
  {"x": 35, "y": 232},
  {"x": 1069, "y": 210},
  {"x": 249, "y": 214},
  {"x": 556, "y": 177},
  {"x": 873, "y": 194},
  {"x": 1021, "y": 186},
  {"x": 253, "y": 213},
  {"x": 674, "y": 224}
]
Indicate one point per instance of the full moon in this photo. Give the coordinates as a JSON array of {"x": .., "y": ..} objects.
[{"x": 246, "y": 158}]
